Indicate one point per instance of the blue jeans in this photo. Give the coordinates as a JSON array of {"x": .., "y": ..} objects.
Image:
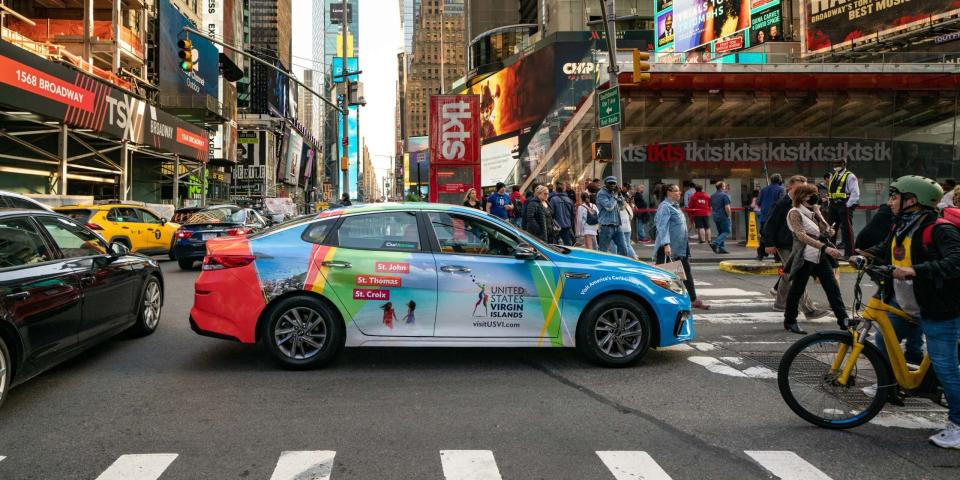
[
  {"x": 723, "y": 231},
  {"x": 629, "y": 252},
  {"x": 611, "y": 234},
  {"x": 942, "y": 336},
  {"x": 904, "y": 329},
  {"x": 641, "y": 228}
]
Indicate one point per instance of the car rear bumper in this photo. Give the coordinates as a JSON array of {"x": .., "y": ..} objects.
[
  {"x": 195, "y": 251},
  {"x": 227, "y": 304}
]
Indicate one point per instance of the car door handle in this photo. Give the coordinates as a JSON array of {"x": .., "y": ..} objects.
[
  {"x": 125, "y": 228},
  {"x": 455, "y": 268},
  {"x": 18, "y": 296},
  {"x": 88, "y": 279},
  {"x": 334, "y": 264},
  {"x": 579, "y": 275}
]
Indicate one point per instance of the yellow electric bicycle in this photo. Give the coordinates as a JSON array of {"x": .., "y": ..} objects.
[{"x": 839, "y": 379}]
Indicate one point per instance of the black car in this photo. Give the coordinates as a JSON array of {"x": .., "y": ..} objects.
[
  {"x": 211, "y": 222},
  {"x": 63, "y": 289}
]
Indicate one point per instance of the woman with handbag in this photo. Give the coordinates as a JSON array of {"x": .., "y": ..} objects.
[
  {"x": 588, "y": 221},
  {"x": 672, "y": 246},
  {"x": 811, "y": 256},
  {"x": 539, "y": 221}
]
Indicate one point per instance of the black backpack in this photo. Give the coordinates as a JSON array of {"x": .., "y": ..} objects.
[{"x": 592, "y": 218}]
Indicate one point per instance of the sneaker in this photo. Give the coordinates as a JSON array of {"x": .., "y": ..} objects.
[
  {"x": 713, "y": 247},
  {"x": 948, "y": 437},
  {"x": 722, "y": 250},
  {"x": 818, "y": 313}
]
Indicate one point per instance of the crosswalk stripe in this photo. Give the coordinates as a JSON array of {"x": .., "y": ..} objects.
[
  {"x": 726, "y": 292},
  {"x": 469, "y": 465},
  {"x": 2, "y": 457},
  {"x": 304, "y": 465},
  {"x": 626, "y": 465},
  {"x": 752, "y": 317},
  {"x": 701, "y": 283},
  {"x": 786, "y": 465},
  {"x": 739, "y": 302},
  {"x": 138, "y": 467}
]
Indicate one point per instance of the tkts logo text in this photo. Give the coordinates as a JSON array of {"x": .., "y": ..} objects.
[
  {"x": 455, "y": 133},
  {"x": 454, "y": 129}
]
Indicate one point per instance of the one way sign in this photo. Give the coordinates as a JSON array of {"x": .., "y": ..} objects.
[{"x": 608, "y": 112}]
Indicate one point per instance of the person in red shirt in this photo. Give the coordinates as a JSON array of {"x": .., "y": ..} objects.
[{"x": 699, "y": 207}]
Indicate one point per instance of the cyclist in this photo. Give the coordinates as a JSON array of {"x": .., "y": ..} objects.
[{"x": 923, "y": 276}]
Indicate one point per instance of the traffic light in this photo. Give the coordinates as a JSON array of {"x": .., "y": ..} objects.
[
  {"x": 186, "y": 54},
  {"x": 602, "y": 151},
  {"x": 640, "y": 66}
]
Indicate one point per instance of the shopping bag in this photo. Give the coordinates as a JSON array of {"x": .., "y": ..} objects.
[{"x": 675, "y": 267}]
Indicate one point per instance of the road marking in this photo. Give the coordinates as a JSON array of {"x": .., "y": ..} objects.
[
  {"x": 740, "y": 302},
  {"x": 701, "y": 284},
  {"x": 138, "y": 467},
  {"x": 904, "y": 420},
  {"x": 681, "y": 347},
  {"x": 625, "y": 465},
  {"x": 752, "y": 317},
  {"x": 1, "y": 458},
  {"x": 703, "y": 346},
  {"x": 716, "y": 366},
  {"x": 304, "y": 465},
  {"x": 786, "y": 465},
  {"x": 469, "y": 465},
  {"x": 727, "y": 292}
]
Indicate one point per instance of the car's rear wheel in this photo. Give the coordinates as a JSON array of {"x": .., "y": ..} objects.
[
  {"x": 614, "y": 332},
  {"x": 172, "y": 254},
  {"x": 151, "y": 304},
  {"x": 302, "y": 333},
  {"x": 6, "y": 371},
  {"x": 185, "y": 263}
]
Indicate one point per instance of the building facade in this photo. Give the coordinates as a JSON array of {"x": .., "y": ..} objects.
[{"x": 438, "y": 59}]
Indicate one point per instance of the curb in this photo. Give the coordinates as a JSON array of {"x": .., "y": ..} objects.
[{"x": 756, "y": 268}]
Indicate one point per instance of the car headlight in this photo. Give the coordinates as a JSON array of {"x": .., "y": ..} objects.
[{"x": 671, "y": 283}]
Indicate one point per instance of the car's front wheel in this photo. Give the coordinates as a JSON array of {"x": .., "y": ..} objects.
[
  {"x": 614, "y": 332},
  {"x": 302, "y": 333},
  {"x": 151, "y": 303},
  {"x": 6, "y": 371},
  {"x": 185, "y": 263}
]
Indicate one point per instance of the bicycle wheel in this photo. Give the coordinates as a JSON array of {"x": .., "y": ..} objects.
[{"x": 810, "y": 388}]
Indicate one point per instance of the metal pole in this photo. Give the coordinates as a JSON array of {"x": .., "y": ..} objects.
[
  {"x": 116, "y": 36},
  {"x": 608, "y": 10},
  {"x": 124, "y": 172},
  {"x": 344, "y": 33},
  {"x": 203, "y": 185},
  {"x": 87, "y": 33},
  {"x": 176, "y": 181},
  {"x": 64, "y": 153}
]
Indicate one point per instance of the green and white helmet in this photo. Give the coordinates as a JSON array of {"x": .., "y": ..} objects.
[{"x": 927, "y": 192}]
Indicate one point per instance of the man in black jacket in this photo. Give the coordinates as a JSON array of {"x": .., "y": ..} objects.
[
  {"x": 777, "y": 238},
  {"x": 926, "y": 254}
]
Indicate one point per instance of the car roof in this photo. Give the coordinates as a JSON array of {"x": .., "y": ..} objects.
[
  {"x": 6, "y": 212},
  {"x": 397, "y": 206},
  {"x": 21, "y": 196},
  {"x": 100, "y": 206}
]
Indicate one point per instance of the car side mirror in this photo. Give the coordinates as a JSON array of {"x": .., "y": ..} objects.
[
  {"x": 163, "y": 221},
  {"x": 117, "y": 250},
  {"x": 525, "y": 252}
]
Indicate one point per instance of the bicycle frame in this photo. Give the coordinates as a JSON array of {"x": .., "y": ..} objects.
[{"x": 875, "y": 312}]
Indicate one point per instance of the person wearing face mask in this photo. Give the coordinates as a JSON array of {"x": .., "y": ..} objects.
[
  {"x": 811, "y": 256},
  {"x": 926, "y": 254},
  {"x": 843, "y": 191}
]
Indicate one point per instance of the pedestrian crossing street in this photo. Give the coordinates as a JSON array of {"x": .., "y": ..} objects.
[{"x": 460, "y": 465}]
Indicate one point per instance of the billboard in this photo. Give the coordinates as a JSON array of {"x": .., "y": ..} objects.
[
  {"x": 699, "y": 22},
  {"x": 704, "y": 30},
  {"x": 517, "y": 96},
  {"x": 352, "y": 150},
  {"x": 766, "y": 25},
  {"x": 252, "y": 172},
  {"x": 831, "y": 23},
  {"x": 204, "y": 78},
  {"x": 455, "y": 129},
  {"x": 664, "y": 29},
  {"x": 498, "y": 161},
  {"x": 292, "y": 156},
  {"x": 353, "y": 65}
]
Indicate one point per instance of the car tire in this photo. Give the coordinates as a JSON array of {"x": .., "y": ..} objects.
[
  {"x": 172, "y": 254},
  {"x": 6, "y": 371},
  {"x": 185, "y": 263},
  {"x": 614, "y": 332},
  {"x": 149, "y": 308},
  {"x": 294, "y": 326}
]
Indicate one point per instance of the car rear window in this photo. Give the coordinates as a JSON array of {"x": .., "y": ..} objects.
[
  {"x": 218, "y": 215},
  {"x": 80, "y": 215}
]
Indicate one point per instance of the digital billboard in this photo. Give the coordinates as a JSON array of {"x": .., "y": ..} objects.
[
  {"x": 517, "y": 96},
  {"x": 353, "y": 65},
  {"x": 498, "y": 160},
  {"x": 699, "y": 22},
  {"x": 830, "y": 23},
  {"x": 705, "y": 30},
  {"x": 292, "y": 155},
  {"x": 204, "y": 78},
  {"x": 352, "y": 150},
  {"x": 766, "y": 25}
]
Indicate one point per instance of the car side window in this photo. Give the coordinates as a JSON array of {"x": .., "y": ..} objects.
[
  {"x": 21, "y": 203},
  {"x": 468, "y": 235},
  {"x": 396, "y": 231},
  {"x": 123, "y": 214},
  {"x": 148, "y": 217},
  {"x": 318, "y": 232},
  {"x": 74, "y": 240},
  {"x": 21, "y": 243}
]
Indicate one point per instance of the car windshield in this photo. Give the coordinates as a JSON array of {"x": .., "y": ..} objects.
[
  {"x": 80, "y": 215},
  {"x": 279, "y": 226},
  {"x": 218, "y": 215}
]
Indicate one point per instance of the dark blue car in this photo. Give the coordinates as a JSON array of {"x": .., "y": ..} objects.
[{"x": 212, "y": 222}]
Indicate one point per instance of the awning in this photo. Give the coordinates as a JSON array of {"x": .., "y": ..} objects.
[{"x": 32, "y": 84}]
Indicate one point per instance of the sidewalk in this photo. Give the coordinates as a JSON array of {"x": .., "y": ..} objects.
[{"x": 701, "y": 253}]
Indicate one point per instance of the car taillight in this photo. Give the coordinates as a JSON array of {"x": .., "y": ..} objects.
[
  {"x": 94, "y": 226},
  {"x": 220, "y": 262},
  {"x": 235, "y": 232},
  {"x": 181, "y": 233}
]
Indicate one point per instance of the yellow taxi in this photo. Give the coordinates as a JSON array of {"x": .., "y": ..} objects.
[{"x": 139, "y": 228}]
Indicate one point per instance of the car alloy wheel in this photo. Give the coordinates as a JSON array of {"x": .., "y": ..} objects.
[
  {"x": 618, "y": 332},
  {"x": 300, "y": 333},
  {"x": 152, "y": 303},
  {"x": 6, "y": 371}
]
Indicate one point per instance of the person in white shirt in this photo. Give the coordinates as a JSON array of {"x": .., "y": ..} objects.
[
  {"x": 584, "y": 229},
  {"x": 949, "y": 186}
]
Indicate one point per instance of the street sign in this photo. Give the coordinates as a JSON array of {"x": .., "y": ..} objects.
[{"x": 608, "y": 107}]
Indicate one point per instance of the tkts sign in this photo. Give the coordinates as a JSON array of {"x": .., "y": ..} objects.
[
  {"x": 455, "y": 129},
  {"x": 775, "y": 150},
  {"x": 32, "y": 84}
]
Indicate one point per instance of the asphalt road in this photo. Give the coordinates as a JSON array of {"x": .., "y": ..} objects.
[{"x": 226, "y": 411}]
